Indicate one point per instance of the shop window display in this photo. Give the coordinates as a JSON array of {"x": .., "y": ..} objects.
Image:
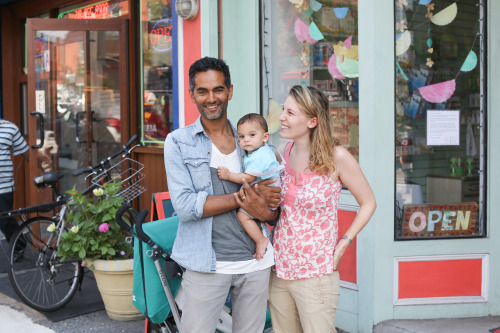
[
  {"x": 157, "y": 39},
  {"x": 312, "y": 42},
  {"x": 440, "y": 118}
]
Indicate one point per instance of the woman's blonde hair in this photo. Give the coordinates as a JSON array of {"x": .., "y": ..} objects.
[{"x": 314, "y": 104}]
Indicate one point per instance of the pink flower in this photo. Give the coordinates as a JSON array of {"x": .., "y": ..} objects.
[{"x": 104, "y": 227}]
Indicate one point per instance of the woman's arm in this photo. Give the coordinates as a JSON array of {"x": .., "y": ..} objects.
[{"x": 349, "y": 172}]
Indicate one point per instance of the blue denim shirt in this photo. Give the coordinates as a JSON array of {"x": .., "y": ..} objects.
[{"x": 187, "y": 154}]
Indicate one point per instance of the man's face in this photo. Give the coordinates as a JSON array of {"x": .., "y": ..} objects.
[{"x": 210, "y": 94}]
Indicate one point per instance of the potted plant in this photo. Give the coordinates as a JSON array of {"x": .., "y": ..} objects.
[{"x": 99, "y": 242}]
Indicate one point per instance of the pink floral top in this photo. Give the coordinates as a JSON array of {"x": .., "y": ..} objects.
[{"x": 307, "y": 230}]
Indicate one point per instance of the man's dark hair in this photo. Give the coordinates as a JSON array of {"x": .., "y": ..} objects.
[
  {"x": 254, "y": 117},
  {"x": 206, "y": 64}
]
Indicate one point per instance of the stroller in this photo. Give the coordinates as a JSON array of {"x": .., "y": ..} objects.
[{"x": 157, "y": 277}]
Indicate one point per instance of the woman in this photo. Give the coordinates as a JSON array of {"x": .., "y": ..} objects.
[{"x": 304, "y": 289}]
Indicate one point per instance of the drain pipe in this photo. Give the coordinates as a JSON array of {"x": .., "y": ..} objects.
[{"x": 219, "y": 28}]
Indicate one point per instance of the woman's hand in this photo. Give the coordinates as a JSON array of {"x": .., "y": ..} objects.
[
  {"x": 254, "y": 200},
  {"x": 340, "y": 249}
]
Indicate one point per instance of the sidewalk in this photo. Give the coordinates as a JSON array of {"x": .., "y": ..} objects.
[
  {"x": 454, "y": 325},
  {"x": 18, "y": 317}
]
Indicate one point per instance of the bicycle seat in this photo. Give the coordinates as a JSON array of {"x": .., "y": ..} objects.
[{"x": 48, "y": 179}]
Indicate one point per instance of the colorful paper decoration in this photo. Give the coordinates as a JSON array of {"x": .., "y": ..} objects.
[
  {"x": 302, "y": 32},
  {"x": 341, "y": 12},
  {"x": 309, "y": 12},
  {"x": 315, "y": 5},
  {"x": 347, "y": 60},
  {"x": 332, "y": 68},
  {"x": 439, "y": 92},
  {"x": 314, "y": 32},
  {"x": 403, "y": 43},
  {"x": 348, "y": 42},
  {"x": 398, "y": 68},
  {"x": 424, "y": 2},
  {"x": 470, "y": 62},
  {"x": 273, "y": 122},
  {"x": 446, "y": 16}
]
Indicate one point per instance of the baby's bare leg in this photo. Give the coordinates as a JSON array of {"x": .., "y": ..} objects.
[{"x": 255, "y": 233}]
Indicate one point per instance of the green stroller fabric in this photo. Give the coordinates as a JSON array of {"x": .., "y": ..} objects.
[{"x": 163, "y": 233}]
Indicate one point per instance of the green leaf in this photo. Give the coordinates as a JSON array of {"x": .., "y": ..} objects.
[
  {"x": 82, "y": 253},
  {"x": 104, "y": 250},
  {"x": 111, "y": 251}
]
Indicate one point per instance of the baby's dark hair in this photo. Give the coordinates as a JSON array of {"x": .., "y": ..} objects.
[{"x": 254, "y": 117}]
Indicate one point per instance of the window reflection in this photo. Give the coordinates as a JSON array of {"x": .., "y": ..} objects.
[{"x": 157, "y": 42}]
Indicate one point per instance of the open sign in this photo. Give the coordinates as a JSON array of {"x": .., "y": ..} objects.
[
  {"x": 160, "y": 35},
  {"x": 439, "y": 220}
]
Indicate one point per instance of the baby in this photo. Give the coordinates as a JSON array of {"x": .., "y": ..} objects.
[{"x": 260, "y": 163}]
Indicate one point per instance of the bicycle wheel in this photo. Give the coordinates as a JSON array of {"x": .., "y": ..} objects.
[{"x": 37, "y": 275}]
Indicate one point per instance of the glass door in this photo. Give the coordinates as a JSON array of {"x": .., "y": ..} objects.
[{"x": 78, "y": 95}]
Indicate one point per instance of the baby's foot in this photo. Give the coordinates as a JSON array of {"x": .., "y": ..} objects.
[{"x": 261, "y": 247}]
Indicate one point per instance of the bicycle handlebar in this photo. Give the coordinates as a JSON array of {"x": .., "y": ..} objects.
[{"x": 124, "y": 149}]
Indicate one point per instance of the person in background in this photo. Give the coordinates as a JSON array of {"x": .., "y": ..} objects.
[
  {"x": 211, "y": 244},
  {"x": 11, "y": 142},
  {"x": 304, "y": 289}
]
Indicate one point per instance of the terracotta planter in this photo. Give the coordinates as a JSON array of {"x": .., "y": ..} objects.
[{"x": 114, "y": 280}]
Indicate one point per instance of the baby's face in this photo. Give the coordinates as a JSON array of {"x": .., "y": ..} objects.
[{"x": 251, "y": 136}]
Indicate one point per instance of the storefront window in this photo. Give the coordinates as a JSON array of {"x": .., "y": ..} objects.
[
  {"x": 157, "y": 41},
  {"x": 440, "y": 119},
  {"x": 313, "y": 43}
]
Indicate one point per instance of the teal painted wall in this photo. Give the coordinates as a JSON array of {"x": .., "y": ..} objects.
[{"x": 241, "y": 53}]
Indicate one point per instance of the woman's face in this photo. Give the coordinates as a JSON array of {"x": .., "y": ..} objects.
[{"x": 294, "y": 122}]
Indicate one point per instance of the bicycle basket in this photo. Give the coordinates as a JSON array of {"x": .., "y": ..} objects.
[{"x": 129, "y": 172}]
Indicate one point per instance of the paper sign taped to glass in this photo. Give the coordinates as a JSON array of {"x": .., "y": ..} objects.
[{"x": 439, "y": 220}]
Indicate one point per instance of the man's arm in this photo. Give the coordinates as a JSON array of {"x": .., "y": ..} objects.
[
  {"x": 237, "y": 178},
  {"x": 253, "y": 199}
]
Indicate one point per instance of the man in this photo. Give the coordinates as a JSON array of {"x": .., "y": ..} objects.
[
  {"x": 211, "y": 244},
  {"x": 11, "y": 140}
]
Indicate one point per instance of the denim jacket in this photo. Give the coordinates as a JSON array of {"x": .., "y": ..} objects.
[{"x": 187, "y": 155}]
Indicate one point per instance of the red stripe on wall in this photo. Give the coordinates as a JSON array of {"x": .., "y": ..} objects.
[
  {"x": 192, "y": 52},
  {"x": 347, "y": 269},
  {"x": 445, "y": 278}
]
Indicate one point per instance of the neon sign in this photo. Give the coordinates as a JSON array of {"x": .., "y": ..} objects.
[
  {"x": 97, "y": 11},
  {"x": 40, "y": 46},
  {"x": 160, "y": 35}
]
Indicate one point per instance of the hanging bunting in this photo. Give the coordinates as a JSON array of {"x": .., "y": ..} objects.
[
  {"x": 273, "y": 122},
  {"x": 470, "y": 62},
  {"x": 403, "y": 43},
  {"x": 309, "y": 13},
  {"x": 314, "y": 32},
  {"x": 398, "y": 68},
  {"x": 439, "y": 92},
  {"x": 315, "y": 5},
  {"x": 424, "y": 2},
  {"x": 446, "y": 16},
  {"x": 347, "y": 60},
  {"x": 348, "y": 42},
  {"x": 341, "y": 12},
  {"x": 302, "y": 32},
  {"x": 332, "y": 68}
]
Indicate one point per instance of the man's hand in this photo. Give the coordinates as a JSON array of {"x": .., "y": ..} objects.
[
  {"x": 223, "y": 173},
  {"x": 252, "y": 200},
  {"x": 272, "y": 194}
]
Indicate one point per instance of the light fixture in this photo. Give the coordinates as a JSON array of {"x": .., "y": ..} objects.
[{"x": 187, "y": 9}]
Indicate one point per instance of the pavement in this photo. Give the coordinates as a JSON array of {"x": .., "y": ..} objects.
[
  {"x": 18, "y": 317},
  {"x": 453, "y": 325}
]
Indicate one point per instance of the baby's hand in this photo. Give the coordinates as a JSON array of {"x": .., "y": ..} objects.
[{"x": 223, "y": 173}]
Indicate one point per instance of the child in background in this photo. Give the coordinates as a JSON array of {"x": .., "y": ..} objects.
[{"x": 260, "y": 163}]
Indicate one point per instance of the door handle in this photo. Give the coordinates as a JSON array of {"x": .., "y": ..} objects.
[
  {"x": 77, "y": 127},
  {"x": 42, "y": 129}
]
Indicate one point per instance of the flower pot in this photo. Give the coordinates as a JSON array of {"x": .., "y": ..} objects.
[{"x": 114, "y": 280}]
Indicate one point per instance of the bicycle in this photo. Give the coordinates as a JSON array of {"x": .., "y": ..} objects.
[{"x": 36, "y": 273}]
